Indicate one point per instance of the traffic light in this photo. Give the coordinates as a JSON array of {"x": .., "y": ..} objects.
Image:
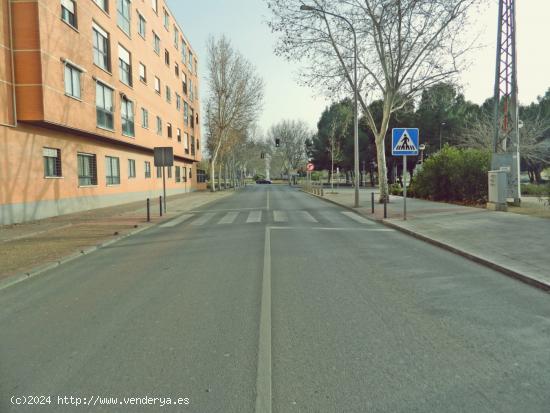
[{"x": 277, "y": 142}]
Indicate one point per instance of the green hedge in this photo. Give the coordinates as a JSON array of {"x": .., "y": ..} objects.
[{"x": 454, "y": 174}]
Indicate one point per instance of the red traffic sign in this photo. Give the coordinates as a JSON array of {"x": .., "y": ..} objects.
[{"x": 310, "y": 167}]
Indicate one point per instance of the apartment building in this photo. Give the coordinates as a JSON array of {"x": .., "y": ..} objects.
[{"x": 87, "y": 89}]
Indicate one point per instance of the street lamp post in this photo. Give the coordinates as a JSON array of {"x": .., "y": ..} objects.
[
  {"x": 441, "y": 125},
  {"x": 356, "y": 99}
]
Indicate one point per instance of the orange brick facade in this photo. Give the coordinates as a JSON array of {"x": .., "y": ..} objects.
[{"x": 80, "y": 81}]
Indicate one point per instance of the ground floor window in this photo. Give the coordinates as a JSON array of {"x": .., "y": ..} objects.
[
  {"x": 147, "y": 169},
  {"x": 178, "y": 174},
  {"x": 131, "y": 168},
  {"x": 87, "y": 169},
  {"x": 52, "y": 162},
  {"x": 112, "y": 170}
]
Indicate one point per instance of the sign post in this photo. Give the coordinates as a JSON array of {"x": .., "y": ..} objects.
[
  {"x": 164, "y": 156},
  {"x": 405, "y": 143}
]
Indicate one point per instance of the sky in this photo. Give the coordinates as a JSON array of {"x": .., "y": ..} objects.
[{"x": 244, "y": 23}]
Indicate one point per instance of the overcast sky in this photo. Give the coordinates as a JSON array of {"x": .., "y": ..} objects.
[{"x": 243, "y": 21}]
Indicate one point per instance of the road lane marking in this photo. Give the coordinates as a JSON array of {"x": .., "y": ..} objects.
[
  {"x": 280, "y": 216},
  {"x": 204, "y": 219},
  {"x": 306, "y": 216},
  {"x": 263, "y": 378},
  {"x": 357, "y": 218},
  {"x": 177, "y": 221},
  {"x": 254, "y": 216},
  {"x": 267, "y": 200},
  {"x": 229, "y": 218},
  {"x": 336, "y": 229}
]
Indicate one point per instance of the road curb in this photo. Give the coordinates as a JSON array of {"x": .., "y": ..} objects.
[
  {"x": 12, "y": 280},
  {"x": 477, "y": 259}
]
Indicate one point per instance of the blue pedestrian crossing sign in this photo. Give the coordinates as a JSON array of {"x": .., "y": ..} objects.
[{"x": 404, "y": 142}]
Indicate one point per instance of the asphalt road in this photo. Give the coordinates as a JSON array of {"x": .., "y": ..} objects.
[{"x": 272, "y": 300}]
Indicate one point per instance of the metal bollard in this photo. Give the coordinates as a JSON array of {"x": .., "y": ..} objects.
[
  {"x": 148, "y": 210},
  {"x": 160, "y": 204},
  {"x": 385, "y": 207},
  {"x": 372, "y": 201}
]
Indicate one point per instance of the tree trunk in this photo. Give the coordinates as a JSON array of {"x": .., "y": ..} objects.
[
  {"x": 220, "y": 176},
  {"x": 213, "y": 175},
  {"x": 382, "y": 169}
]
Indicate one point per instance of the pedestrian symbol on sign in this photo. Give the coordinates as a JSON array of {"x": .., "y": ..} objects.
[{"x": 405, "y": 143}]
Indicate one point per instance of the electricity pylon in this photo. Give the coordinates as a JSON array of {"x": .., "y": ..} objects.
[{"x": 506, "y": 115}]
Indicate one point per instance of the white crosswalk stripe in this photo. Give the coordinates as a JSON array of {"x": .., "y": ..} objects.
[
  {"x": 357, "y": 218},
  {"x": 306, "y": 216},
  {"x": 203, "y": 219},
  {"x": 254, "y": 217},
  {"x": 280, "y": 216},
  {"x": 177, "y": 221},
  {"x": 229, "y": 218}
]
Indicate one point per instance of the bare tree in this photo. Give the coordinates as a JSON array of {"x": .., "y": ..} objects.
[
  {"x": 292, "y": 136},
  {"x": 234, "y": 100},
  {"x": 404, "y": 46}
]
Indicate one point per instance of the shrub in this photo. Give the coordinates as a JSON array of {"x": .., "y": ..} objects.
[
  {"x": 454, "y": 174},
  {"x": 395, "y": 189},
  {"x": 535, "y": 190}
]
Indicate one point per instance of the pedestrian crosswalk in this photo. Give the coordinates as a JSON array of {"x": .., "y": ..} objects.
[{"x": 274, "y": 217}]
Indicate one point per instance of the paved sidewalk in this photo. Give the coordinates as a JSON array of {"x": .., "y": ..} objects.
[
  {"x": 25, "y": 247},
  {"x": 517, "y": 245}
]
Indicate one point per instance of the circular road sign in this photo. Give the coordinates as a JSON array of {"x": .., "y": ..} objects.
[{"x": 310, "y": 167}]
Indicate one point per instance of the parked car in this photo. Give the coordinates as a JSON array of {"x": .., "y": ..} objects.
[{"x": 263, "y": 181}]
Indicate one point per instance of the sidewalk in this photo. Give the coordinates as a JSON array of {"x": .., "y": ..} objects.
[
  {"x": 517, "y": 245},
  {"x": 24, "y": 247}
]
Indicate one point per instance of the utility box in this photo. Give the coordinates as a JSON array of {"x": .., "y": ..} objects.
[{"x": 498, "y": 190}]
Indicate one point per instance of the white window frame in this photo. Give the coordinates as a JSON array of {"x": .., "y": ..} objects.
[{"x": 73, "y": 70}]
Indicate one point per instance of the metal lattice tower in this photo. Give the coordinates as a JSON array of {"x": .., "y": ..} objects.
[{"x": 506, "y": 127}]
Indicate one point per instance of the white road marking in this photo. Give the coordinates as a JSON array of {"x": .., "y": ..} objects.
[
  {"x": 357, "y": 218},
  {"x": 229, "y": 218},
  {"x": 280, "y": 216},
  {"x": 306, "y": 216},
  {"x": 254, "y": 216},
  {"x": 336, "y": 229},
  {"x": 203, "y": 219},
  {"x": 263, "y": 378},
  {"x": 177, "y": 221}
]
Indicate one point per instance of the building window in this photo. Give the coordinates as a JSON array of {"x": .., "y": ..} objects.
[
  {"x": 159, "y": 126},
  {"x": 147, "y": 169},
  {"x": 191, "y": 61},
  {"x": 103, "y": 5},
  {"x": 142, "y": 73},
  {"x": 184, "y": 83},
  {"x": 52, "y": 162},
  {"x": 177, "y": 70},
  {"x": 191, "y": 96},
  {"x": 155, "y": 6},
  {"x": 104, "y": 106},
  {"x": 142, "y": 25},
  {"x": 185, "y": 113},
  {"x": 178, "y": 174},
  {"x": 178, "y": 102},
  {"x": 156, "y": 43},
  {"x": 186, "y": 142},
  {"x": 183, "y": 51},
  {"x": 167, "y": 57},
  {"x": 68, "y": 12},
  {"x": 159, "y": 171},
  {"x": 192, "y": 145},
  {"x": 198, "y": 145},
  {"x": 72, "y": 81},
  {"x": 192, "y": 118},
  {"x": 176, "y": 37},
  {"x": 101, "y": 48},
  {"x": 112, "y": 170},
  {"x": 87, "y": 169},
  {"x": 127, "y": 116},
  {"x": 190, "y": 173},
  {"x": 144, "y": 118},
  {"x": 179, "y": 135},
  {"x": 184, "y": 174},
  {"x": 124, "y": 13},
  {"x": 124, "y": 65},
  {"x": 169, "y": 169},
  {"x": 166, "y": 20},
  {"x": 131, "y": 168},
  {"x": 169, "y": 130},
  {"x": 168, "y": 94},
  {"x": 157, "y": 85}
]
